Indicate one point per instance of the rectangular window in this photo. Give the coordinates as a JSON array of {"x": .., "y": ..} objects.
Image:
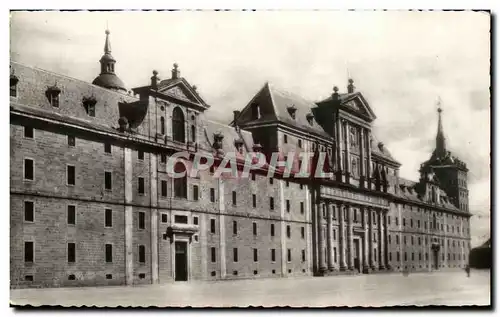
[
  {"x": 142, "y": 254},
  {"x": 255, "y": 255},
  {"x": 271, "y": 203},
  {"x": 303, "y": 255},
  {"x": 140, "y": 155},
  {"x": 212, "y": 194},
  {"x": 235, "y": 254},
  {"x": 335, "y": 254},
  {"x": 195, "y": 192},
  {"x": 299, "y": 143},
  {"x": 253, "y": 176},
  {"x": 254, "y": 200},
  {"x": 107, "y": 147},
  {"x": 164, "y": 188},
  {"x": 288, "y": 231},
  {"x": 234, "y": 198},
  {"x": 212, "y": 225},
  {"x": 254, "y": 228},
  {"x": 142, "y": 218},
  {"x": 28, "y": 132},
  {"x": 272, "y": 230},
  {"x": 13, "y": 90},
  {"x": 29, "y": 211},
  {"x": 302, "y": 232},
  {"x": 71, "y": 140},
  {"x": 271, "y": 180},
  {"x": 398, "y": 257},
  {"x": 109, "y": 253},
  {"x": 287, "y": 205},
  {"x": 287, "y": 182},
  {"x": 273, "y": 255},
  {"x": 71, "y": 253},
  {"x": 285, "y": 138},
  {"x": 302, "y": 207},
  {"x": 28, "y": 251},
  {"x": 108, "y": 218},
  {"x": 163, "y": 158},
  {"x": 28, "y": 169},
  {"x": 195, "y": 221},
  {"x": 164, "y": 218},
  {"x": 107, "y": 180},
  {"x": 289, "y": 255},
  {"x": 71, "y": 214},
  {"x": 140, "y": 185},
  {"x": 181, "y": 219},
  {"x": 397, "y": 221},
  {"x": 235, "y": 227},
  {"x": 397, "y": 239},
  {"x": 213, "y": 255},
  {"x": 70, "y": 171}
]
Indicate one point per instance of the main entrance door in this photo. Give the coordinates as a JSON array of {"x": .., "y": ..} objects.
[
  {"x": 357, "y": 260},
  {"x": 435, "y": 258},
  {"x": 181, "y": 261}
]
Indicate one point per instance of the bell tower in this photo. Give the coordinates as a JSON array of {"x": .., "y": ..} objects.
[{"x": 450, "y": 170}]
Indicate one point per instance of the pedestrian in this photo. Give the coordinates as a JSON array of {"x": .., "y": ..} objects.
[{"x": 467, "y": 270}]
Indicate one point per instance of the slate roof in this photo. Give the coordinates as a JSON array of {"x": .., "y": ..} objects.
[
  {"x": 277, "y": 104},
  {"x": 382, "y": 152},
  {"x": 230, "y": 135},
  {"x": 407, "y": 190}
]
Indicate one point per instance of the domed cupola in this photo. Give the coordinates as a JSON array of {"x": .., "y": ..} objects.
[{"x": 107, "y": 78}]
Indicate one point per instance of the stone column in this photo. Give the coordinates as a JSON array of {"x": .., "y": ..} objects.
[
  {"x": 386, "y": 240},
  {"x": 129, "y": 217},
  {"x": 381, "y": 237},
  {"x": 366, "y": 241},
  {"x": 340, "y": 158},
  {"x": 314, "y": 229},
  {"x": 329, "y": 236},
  {"x": 321, "y": 237},
  {"x": 371, "y": 254},
  {"x": 362, "y": 158},
  {"x": 369, "y": 163},
  {"x": 350, "y": 247},
  {"x": 342, "y": 244},
  {"x": 347, "y": 152}
]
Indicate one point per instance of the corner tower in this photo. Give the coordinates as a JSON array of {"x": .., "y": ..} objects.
[
  {"x": 107, "y": 78},
  {"x": 449, "y": 170}
]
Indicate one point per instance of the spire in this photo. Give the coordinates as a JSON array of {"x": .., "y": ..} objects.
[
  {"x": 440, "y": 140},
  {"x": 107, "y": 44}
]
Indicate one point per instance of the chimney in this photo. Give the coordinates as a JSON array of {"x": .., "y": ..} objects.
[
  {"x": 236, "y": 114},
  {"x": 154, "y": 80},
  {"x": 350, "y": 86},
  {"x": 176, "y": 73}
]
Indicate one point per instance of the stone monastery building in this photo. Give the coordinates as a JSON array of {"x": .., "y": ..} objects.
[{"x": 91, "y": 202}]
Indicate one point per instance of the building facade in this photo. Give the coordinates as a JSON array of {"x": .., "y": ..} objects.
[{"x": 92, "y": 202}]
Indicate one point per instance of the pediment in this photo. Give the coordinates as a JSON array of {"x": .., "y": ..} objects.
[
  {"x": 182, "y": 91},
  {"x": 358, "y": 105}
]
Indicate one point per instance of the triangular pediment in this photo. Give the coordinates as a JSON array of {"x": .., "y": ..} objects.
[
  {"x": 357, "y": 104},
  {"x": 182, "y": 91}
]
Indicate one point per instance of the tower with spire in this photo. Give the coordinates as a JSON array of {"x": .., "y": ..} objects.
[
  {"x": 107, "y": 78},
  {"x": 448, "y": 170}
]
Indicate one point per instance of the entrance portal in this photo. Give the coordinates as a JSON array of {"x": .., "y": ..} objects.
[
  {"x": 181, "y": 261},
  {"x": 357, "y": 259},
  {"x": 435, "y": 258}
]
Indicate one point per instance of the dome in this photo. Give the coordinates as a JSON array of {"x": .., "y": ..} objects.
[{"x": 110, "y": 81}]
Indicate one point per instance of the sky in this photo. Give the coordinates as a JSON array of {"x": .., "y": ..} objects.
[{"x": 401, "y": 61}]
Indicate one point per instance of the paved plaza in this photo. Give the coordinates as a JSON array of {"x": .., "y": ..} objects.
[{"x": 437, "y": 288}]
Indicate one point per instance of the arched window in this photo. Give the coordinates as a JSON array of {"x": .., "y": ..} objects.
[
  {"x": 180, "y": 184},
  {"x": 193, "y": 133},
  {"x": 178, "y": 133},
  {"x": 162, "y": 125}
]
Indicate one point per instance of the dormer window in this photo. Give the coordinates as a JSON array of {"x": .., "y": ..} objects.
[
  {"x": 310, "y": 118},
  {"x": 52, "y": 94},
  {"x": 255, "y": 111},
  {"x": 292, "y": 110},
  {"x": 89, "y": 105},
  {"x": 13, "y": 85},
  {"x": 239, "y": 145}
]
